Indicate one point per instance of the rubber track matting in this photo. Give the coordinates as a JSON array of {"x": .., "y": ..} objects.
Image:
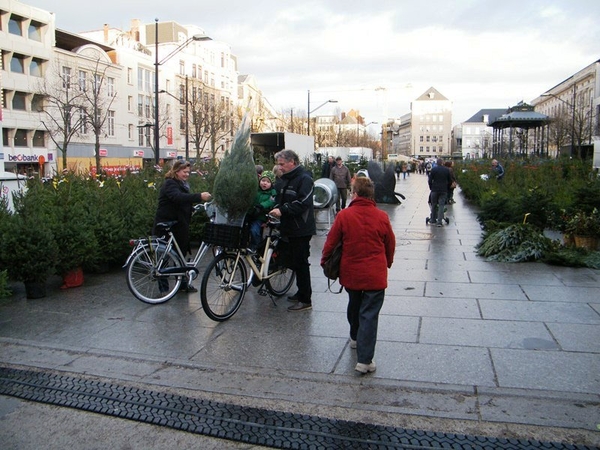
[{"x": 244, "y": 424}]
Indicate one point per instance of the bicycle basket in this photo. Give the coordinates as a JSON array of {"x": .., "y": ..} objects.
[{"x": 227, "y": 236}]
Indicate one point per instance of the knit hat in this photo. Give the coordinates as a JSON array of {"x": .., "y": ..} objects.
[{"x": 268, "y": 174}]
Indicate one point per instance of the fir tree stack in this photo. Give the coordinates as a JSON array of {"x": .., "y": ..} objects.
[{"x": 236, "y": 182}]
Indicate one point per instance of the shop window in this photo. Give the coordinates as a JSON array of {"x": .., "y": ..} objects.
[
  {"x": 5, "y": 142},
  {"x": 38, "y": 139},
  {"x": 20, "y": 138},
  {"x": 19, "y": 101}
]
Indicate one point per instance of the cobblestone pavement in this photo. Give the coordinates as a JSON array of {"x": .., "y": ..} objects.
[{"x": 464, "y": 346}]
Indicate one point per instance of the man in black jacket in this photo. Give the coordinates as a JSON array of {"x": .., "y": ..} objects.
[
  {"x": 295, "y": 208},
  {"x": 439, "y": 183}
]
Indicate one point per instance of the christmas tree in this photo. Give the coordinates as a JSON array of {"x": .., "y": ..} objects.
[{"x": 236, "y": 182}]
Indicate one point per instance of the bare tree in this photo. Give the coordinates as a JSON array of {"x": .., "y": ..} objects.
[
  {"x": 211, "y": 117},
  {"x": 96, "y": 105},
  {"x": 61, "y": 103}
]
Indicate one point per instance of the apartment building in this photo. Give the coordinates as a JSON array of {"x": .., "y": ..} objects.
[
  {"x": 431, "y": 125},
  {"x": 26, "y": 45},
  {"x": 473, "y": 138}
]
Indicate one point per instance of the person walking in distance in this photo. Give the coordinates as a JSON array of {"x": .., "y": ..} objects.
[
  {"x": 294, "y": 207},
  {"x": 439, "y": 183},
  {"x": 341, "y": 177},
  {"x": 368, "y": 246},
  {"x": 327, "y": 165},
  {"x": 497, "y": 170}
]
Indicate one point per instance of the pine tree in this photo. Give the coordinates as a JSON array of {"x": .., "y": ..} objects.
[{"x": 236, "y": 182}]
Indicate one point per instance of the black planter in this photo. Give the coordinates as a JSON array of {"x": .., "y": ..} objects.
[{"x": 35, "y": 289}]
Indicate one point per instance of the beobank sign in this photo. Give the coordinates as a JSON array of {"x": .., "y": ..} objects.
[{"x": 23, "y": 158}]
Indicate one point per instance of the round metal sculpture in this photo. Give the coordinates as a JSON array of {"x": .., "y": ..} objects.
[{"x": 325, "y": 193}]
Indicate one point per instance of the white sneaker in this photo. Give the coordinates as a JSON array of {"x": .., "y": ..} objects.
[
  {"x": 365, "y": 368},
  {"x": 352, "y": 343}
]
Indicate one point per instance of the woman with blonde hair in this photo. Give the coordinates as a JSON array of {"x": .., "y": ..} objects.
[{"x": 368, "y": 246}]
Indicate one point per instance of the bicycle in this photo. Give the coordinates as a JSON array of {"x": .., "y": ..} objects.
[
  {"x": 225, "y": 279},
  {"x": 156, "y": 266}
]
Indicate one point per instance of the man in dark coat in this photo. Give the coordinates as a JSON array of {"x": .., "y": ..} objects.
[
  {"x": 439, "y": 181},
  {"x": 327, "y": 165},
  {"x": 295, "y": 208}
]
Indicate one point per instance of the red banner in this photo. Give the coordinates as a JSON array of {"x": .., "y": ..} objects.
[{"x": 169, "y": 135}]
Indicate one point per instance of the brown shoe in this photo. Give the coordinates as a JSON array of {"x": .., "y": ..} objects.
[{"x": 300, "y": 306}]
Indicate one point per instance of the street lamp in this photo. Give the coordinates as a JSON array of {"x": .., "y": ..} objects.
[
  {"x": 572, "y": 106},
  {"x": 365, "y": 127},
  {"x": 310, "y": 112},
  {"x": 196, "y": 37},
  {"x": 187, "y": 122}
]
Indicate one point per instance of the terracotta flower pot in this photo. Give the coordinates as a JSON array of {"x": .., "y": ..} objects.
[
  {"x": 588, "y": 242},
  {"x": 73, "y": 278}
]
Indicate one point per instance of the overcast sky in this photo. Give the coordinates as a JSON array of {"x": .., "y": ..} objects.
[{"x": 377, "y": 56}]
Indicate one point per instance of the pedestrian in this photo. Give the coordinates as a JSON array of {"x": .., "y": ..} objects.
[
  {"x": 397, "y": 169},
  {"x": 341, "y": 177},
  {"x": 497, "y": 170},
  {"x": 263, "y": 203},
  {"x": 428, "y": 167},
  {"x": 327, "y": 165},
  {"x": 439, "y": 182},
  {"x": 294, "y": 206},
  {"x": 449, "y": 165},
  {"x": 175, "y": 202},
  {"x": 368, "y": 245},
  {"x": 404, "y": 170}
]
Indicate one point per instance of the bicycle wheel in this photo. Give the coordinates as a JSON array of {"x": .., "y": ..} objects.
[
  {"x": 223, "y": 287},
  {"x": 143, "y": 279},
  {"x": 279, "y": 284}
]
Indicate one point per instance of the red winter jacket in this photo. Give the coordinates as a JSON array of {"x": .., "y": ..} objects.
[{"x": 368, "y": 245}]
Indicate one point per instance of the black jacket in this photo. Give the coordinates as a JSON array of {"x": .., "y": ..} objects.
[
  {"x": 175, "y": 203},
  {"x": 295, "y": 200},
  {"x": 439, "y": 179}
]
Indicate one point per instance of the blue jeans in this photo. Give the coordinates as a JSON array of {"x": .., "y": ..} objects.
[
  {"x": 438, "y": 199},
  {"x": 255, "y": 234},
  {"x": 363, "y": 317}
]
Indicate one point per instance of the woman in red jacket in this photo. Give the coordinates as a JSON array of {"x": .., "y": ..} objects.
[{"x": 368, "y": 245}]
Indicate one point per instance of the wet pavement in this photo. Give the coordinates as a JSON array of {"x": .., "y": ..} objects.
[{"x": 464, "y": 346}]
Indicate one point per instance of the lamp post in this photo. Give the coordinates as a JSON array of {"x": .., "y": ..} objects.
[
  {"x": 310, "y": 112},
  {"x": 572, "y": 106},
  {"x": 196, "y": 37},
  {"x": 187, "y": 122}
]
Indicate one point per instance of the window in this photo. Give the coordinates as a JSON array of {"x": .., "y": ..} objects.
[
  {"x": 35, "y": 67},
  {"x": 15, "y": 25},
  {"x": 18, "y": 102},
  {"x": 20, "y": 138},
  {"x": 37, "y": 104},
  {"x": 129, "y": 103},
  {"x": 193, "y": 70},
  {"x": 5, "y": 137},
  {"x": 66, "y": 77},
  {"x": 148, "y": 107},
  {"x": 82, "y": 121},
  {"x": 141, "y": 133},
  {"x": 35, "y": 31},
  {"x": 140, "y": 79},
  {"x": 17, "y": 64},
  {"x": 129, "y": 75},
  {"x": 111, "y": 123},
  {"x": 38, "y": 138},
  {"x": 182, "y": 120},
  {"x": 110, "y": 86},
  {"x": 82, "y": 80},
  {"x": 181, "y": 67},
  {"x": 130, "y": 131},
  {"x": 97, "y": 82},
  {"x": 140, "y": 105}
]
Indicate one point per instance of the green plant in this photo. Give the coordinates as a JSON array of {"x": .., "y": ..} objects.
[
  {"x": 584, "y": 224},
  {"x": 515, "y": 243},
  {"x": 236, "y": 182}
]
